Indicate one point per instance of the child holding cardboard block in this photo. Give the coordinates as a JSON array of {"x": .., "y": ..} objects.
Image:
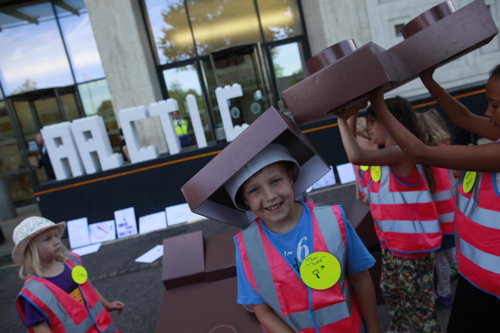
[{"x": 301, "y": 266}]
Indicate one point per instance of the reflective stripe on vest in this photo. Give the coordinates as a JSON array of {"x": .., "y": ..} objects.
[
  {"x": 363, "y": 178},
  {"x": 478, "y": 234},
  {"x": 292, "y": 299},
  {"x": 445, "y": 199},
  {"x": 405, "y": 217},
  {"x": 63, "y": 312}
]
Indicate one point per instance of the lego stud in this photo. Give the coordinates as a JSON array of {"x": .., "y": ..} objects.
[
  {"x": 330, "y": 55},
  {"x": 427, "y": 18}
]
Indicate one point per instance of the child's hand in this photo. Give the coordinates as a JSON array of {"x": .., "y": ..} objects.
[
  {"x": 426, "y": 75},
  {"x": 115, "y": 306},
  {"x": 376, "y": 97},
  {"x": 346, "y": 114}
]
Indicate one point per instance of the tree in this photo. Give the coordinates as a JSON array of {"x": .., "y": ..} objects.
[{"x": 27, "y": 85}]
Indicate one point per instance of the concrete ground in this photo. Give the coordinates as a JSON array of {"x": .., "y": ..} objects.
[{"x": 115, "y": 274}]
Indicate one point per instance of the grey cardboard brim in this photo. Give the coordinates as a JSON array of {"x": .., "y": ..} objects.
[
  {"x": 345, "y": 82},
  {"x": 205, "y": 192}
]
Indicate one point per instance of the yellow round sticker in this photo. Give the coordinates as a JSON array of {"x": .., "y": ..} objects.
[
  {"x": 320, "y": 270},
  {"x": 469, "y": 180},
  {"x": 79, "y": 274},
  {"x": 376, "y": 173},
  {"x": 364, "y": 167}
]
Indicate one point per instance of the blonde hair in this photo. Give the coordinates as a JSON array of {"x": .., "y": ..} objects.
[
  {"x": 361, "y": 127},
  {"x": 31, "y": 265},
  {"x": 433, "y": 127}
]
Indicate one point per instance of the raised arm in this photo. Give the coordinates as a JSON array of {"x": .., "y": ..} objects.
[
  {"x": 456, "y": 111},
  {"x": 468, "y": 158},
  {"x": 357, "y": 155}
]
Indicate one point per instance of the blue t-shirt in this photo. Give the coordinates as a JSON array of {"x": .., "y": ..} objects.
[{"x": 295, "y": 245}]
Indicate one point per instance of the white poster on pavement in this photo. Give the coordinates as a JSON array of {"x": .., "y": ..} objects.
[{"x": 126, "y": 224}]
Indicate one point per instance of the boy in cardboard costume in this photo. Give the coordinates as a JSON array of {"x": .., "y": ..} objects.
[{"x": 301, "y": 266}]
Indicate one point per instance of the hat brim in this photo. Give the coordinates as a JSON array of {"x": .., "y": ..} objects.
[{"x": 20, "y": 248}]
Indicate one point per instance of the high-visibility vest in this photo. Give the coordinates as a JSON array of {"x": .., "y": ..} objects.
[
  {"x": 363, "y": 178},
  {"x": 63, "y": 312},
  {"x": 445, "y": 199},
  {"x": 405, "y": 217},
  {"x": 182, "y": 128},
  {"x": 273, "y": 277},
  {"x": 477, "y": 223}
]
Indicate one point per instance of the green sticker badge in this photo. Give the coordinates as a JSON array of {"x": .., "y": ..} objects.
[
  {"x": 469, "y": 180},
  {"x": 376, "y": 173},
  {"x": 364, "y": 167},
  {"x": 79, "y": 274},
  {"x": 320, "y": 270}
]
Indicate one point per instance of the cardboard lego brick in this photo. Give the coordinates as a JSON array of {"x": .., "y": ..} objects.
[
  {"x": 361, "y": 220},
  {"x": 220, "y": 256},
  {"x": 205, "y": 192},
  {"x": 183, "y": 260},
  {"x": 205, "y": 307},
  {"x": 433, "y": 39}
]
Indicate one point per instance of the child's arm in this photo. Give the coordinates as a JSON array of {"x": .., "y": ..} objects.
[
  {"x": 468, "y": 158},
  {"x": 456, "y": 111},
  {"x": 110, "y": 306},
  {"x": 42, "y": 328},
  {"x": 270, "y": 320},
  {"x": 388, "y": 156},
  {"x": 364, "y": 292}
]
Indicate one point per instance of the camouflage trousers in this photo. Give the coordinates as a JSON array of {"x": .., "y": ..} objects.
[{"x": 408, "y": 289}]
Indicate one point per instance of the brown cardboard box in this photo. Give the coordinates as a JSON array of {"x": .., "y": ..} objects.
[
  {"x": 205, "y": 192},
  {"x": 220, "y": 256},
  {"x": 344, "y": 82},
  {"x": 183, "y": 260}
]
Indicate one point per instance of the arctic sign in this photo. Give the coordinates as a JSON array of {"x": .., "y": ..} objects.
[{"x": 83, "y": 147}]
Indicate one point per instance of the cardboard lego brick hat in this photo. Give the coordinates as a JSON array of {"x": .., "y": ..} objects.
[{"x": 212, "y": 190}]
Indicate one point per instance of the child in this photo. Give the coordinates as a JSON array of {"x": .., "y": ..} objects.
[
  {"x": 270, "y": 252},
  {"x": 57, "y": 296},
  {"x": 406, "y": 220},
  {"x": 435, "y": 133},
  {"x": 477, "y": 297}
]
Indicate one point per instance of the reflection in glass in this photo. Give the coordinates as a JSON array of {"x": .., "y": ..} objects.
[
  {"x": 219, "y": 24},
  {"x": 182, "y": 81},
  {"x": 170, "y": 29},
  {"x": 280, "y": 19},
  {"x": 75, "y": 26},
  {"x": 48, "y": 111},
  {"x": 26, "y": 117},
  {"x": 96, "y": 100},
  {"x": 33, "y": 54},
  {"x": 12, "y": 167},
  {"x": 70, "y": 107},
  {"x": 288, "y": 64}
]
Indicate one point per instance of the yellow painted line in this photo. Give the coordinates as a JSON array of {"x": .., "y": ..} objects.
[
  {"x": 126, "y": 173},
  {"x": 320, "y": 128},
  {"x": 8, "y": 266},
  {"x": 472, "y": 93}
]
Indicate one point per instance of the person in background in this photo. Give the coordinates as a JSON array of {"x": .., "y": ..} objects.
[
  {"x": 181, "y": 129},
  {"x": 43, "y": 158},
  {"x": 123, "y": 148}
]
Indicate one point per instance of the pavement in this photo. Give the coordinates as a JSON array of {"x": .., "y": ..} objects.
[{"x": 114, "y": 273}]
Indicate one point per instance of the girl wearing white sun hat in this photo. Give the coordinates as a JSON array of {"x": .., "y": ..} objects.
[{"x": 56, "y": 291}]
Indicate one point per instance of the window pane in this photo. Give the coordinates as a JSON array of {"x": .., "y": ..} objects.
[
  {"x": 181, "y": 82},
  {"x": 12, "y": 167},
  {"x": 75, "y": 26},
  {"x": 169, "y": 26},
  {"x": 288, "y": 64},
  {"x": 48, "y": 111},
  {"x": 32, "y": 55},
  {"x": 219, "y": 24},
  {"x": 70, "y": 107},
  {"x": 280, "y": 19},
  {"x": 26, "y": 117},
  {"x": 96, "y": 100}
]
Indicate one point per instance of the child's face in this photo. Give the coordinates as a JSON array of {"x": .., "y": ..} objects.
[
  {"x": 49, "y": 244},
  {"x": 493, "y": 96},
  {"x": 269, "y": 194},
  {"x": 376, "y": 131}
]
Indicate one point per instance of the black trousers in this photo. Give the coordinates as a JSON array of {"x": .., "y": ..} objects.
[{"x": 473, "y": 310}]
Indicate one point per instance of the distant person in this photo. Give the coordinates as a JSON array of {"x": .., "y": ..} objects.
[
  {"x": 57, "y": 295},
  {"x": 181, "y": 129},
  {"x": 43, "y": 158},
  {"x": 123, "y": 148}
]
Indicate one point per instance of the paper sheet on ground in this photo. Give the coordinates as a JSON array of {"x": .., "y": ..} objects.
[
  {"x": 150, "y": 256},
  {"x": 102, "y": 231},
  {"x": 346, "y": 173},
  {"x": 78, "y": 232},
  {"x": 125, "y": 222},
  {"x": 177, "y": 214},
  {"x": 152, "y": 222},
  {"x": 326, "y": 180},
  {"x": 81, "y": 251}
]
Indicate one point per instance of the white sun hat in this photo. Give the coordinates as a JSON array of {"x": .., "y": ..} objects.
[
  {"x": 273, "y": 153},
  {"x": 26, "y": 230}
]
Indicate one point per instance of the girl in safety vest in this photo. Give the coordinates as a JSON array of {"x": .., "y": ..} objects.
[
  {"x": 57, "y": 295},
  {"x": 405, "y": 216},
  {"x": 301, "y": 266},
  {"x": 435, "y": 133},
  {"x": 477, "y": 218}
]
